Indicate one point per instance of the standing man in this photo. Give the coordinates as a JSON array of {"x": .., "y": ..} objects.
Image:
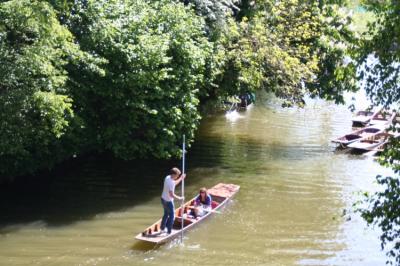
[{"x": 167, "y": 198}]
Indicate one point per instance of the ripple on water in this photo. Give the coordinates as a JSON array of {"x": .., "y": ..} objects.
[{"x": 288, "y": 212}]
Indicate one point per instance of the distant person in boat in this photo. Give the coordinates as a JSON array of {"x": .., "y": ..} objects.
[
  {"x": 167, "y": 198},
  {"x": 246, "y": 99},
  {"x": 202, "y": 203}
]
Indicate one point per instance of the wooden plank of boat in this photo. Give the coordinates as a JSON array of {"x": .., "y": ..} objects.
[
  {"x": 370, "y": 143},
  {"x": 220, "y": 193},
  {"x": 382, "y": 118},
  {"x": 358, "y": 135},
  {"x": 375, "y": 151}
]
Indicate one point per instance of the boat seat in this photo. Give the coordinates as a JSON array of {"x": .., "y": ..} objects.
[
  {"x": 371, "y": 130},
  {"x": 214, "y": 204},
  {"x": 352, "y": 136},
  {"x": 185, "y": 210}
]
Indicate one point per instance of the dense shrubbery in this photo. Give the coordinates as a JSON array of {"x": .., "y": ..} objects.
[
  {"x": 128, "y": 77},
  {"x": 36, "y": 109}
]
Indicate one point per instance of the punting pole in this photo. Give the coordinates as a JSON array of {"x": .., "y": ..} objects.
[{"x": 183, "y": 186}]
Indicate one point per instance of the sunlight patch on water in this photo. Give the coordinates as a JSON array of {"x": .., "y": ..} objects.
[{"x": 233, "y": 116}]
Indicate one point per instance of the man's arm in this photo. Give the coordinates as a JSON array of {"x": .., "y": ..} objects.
[{"x": 173, "y": 195}]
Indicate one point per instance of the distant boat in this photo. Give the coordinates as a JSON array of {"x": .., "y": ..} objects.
[
  {"x": 358, "y": 135},
  {"x": 246, "y": 100},
  {"x": 240, "y": 103},
  {"x": 382, "y": 118},
  {"x": 220, "y": 194},
  {"x": 362, "y": 118},
  {"x": 369, "y": 143}
]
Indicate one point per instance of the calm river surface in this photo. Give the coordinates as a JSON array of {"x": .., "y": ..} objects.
[{"x": 294, "y": 188}]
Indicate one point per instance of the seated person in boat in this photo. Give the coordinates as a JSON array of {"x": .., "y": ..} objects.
[{"x": 202, "y": 203}]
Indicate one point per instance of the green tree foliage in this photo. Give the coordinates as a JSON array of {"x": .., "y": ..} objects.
[
  {"x": 154, "y": 61},
  {"x": 290, "y": 48},
  {"x": 128, "y": 77},
  {"x": 215, "y": 12},
  {"x": 382, "y": 43},
  {"x": 130, "y": 87},
  {"x": 35, "y": 110},
  {"x": 379, "y": 60},
  {"x": 296, "y": 47},
  {"x": 334, "y": 48},
  {"x": 383, "y": 210}
]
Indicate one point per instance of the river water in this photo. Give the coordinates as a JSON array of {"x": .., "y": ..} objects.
[{"x": 289, "y": 211}]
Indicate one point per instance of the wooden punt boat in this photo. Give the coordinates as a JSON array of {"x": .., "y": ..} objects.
[
  {"x": 370, "y": 143},
  {"x": 377, "y": 150},
  {"x": 362, "y": 118},
  {"x": 220, "y": 193},
  {"x": 363, "y": 133},
  {"x": 382, "y": 118}
]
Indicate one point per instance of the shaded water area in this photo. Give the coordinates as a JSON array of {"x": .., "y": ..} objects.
[{"x": 294, "y": 188}]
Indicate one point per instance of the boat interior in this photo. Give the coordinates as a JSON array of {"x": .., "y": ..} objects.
[
  {"x": 377, "y": 138},
  {"x": 351, "y": 137},
  {"x": 188, "y": 218}
]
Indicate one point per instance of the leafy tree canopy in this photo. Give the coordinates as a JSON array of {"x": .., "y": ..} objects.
[
  {"x": 128, "y": 77},
  {"x": 35, "y": 110},
  {"x": 154, "y": 61},
  {"x": 380, "y": 53},
  {"x": 298, "y": 47}
]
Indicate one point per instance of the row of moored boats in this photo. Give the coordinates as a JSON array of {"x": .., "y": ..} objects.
[{"x": 374, "y": 133}]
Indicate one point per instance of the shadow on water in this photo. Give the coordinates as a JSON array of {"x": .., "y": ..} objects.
[
  {"x": 83, "y": 188},
  {"x": 79, "y": 190}
]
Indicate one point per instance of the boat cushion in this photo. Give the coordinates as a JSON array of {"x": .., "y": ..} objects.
[{"x": 214, "y": 204}]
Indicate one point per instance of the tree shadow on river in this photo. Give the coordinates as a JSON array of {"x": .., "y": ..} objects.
[{"x": 82, "y": 188}]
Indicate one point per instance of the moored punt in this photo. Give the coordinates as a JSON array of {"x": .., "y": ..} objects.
[
  {"x": 220, "y": 193},
  {"x": 377, "y": 150},
  {"x": 371, "y": 142},
  {"x": 358, "y": 135},
  {"x": 362, "y": 118},
  {"x": 382, "y": 118}
]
